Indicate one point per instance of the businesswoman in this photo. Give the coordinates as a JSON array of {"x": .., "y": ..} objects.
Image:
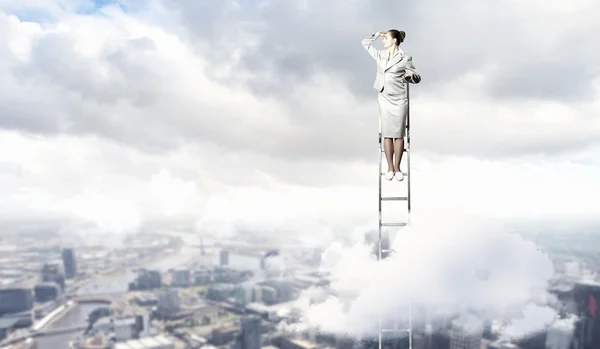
[{"x": 394, "y": 70}]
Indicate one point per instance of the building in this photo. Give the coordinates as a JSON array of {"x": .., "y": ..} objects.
[
  {"x": 268, "y": 295},
  {"x": 224, "y": 257},
  {"x": 284, "y": 289},
  {"x": 243, "y": 294},
  {"x": 560, "y": 334},
  {"x": 466, "y": 333},
  {"x": 69, "y": 263},
  {"x": 229, "y": 275},
  {"x": 532, "y": 340},
  {"x": 181, "y": 277},
  {"x": 46, "y": 292},
  {"x": 51, "y": 272},
  {"x": 146, "y": 280},
  {"x": 125, "y": 328},
  {"x": 15, "y": 300},
  {"x": 221, "y": 292},
  {"x": 587, "y": 331},
  {"x": 222, "y": 335},
  {"x": 168, "y": 303},
  {"x": 249, "y": 335},
  {"x": 203, "y": 277}
]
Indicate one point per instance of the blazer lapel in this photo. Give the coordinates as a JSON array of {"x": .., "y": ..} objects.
[{"x": 393, "y": 60}]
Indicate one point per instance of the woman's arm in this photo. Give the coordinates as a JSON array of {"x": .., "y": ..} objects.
[
  {"x": 368, "y": 45},
  {"x": 412, "y": 75}
]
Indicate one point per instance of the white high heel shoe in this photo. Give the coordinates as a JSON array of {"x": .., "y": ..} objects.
[{"x": 389, "y": 175}]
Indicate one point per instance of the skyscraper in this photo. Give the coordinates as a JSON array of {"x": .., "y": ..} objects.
[
  {"x": 587, "y": 296},
  {"x": 51, "y": 273},
  {"x": 466, "y": 333},
  {"x": 69, "y": 262},
  {"x": 249, "y": 335},
  {"x": 224, "y": 257},
  {"x": 251, "y": 332}
]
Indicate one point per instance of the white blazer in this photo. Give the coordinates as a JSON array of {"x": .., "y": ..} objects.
[{"x": 391, "y": 70}]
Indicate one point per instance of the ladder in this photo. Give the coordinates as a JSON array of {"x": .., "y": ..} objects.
[{"x": 380, "y": 250}]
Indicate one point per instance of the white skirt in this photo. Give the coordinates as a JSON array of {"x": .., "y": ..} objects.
[{"x": 393, "y": 111}]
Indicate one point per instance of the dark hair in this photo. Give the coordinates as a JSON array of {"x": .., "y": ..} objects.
[{"x": 399, "y": 35}]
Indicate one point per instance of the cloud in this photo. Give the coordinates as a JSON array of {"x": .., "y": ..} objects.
[
  {"x": 47, "y": 178},
  {"x": 533, "y": 319},
  {"x": 108, "y": 73},
  {"x": 275, "y": 96},
  {"x": 444, "y": 263}
]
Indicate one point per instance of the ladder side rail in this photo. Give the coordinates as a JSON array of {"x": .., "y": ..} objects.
[
  {"x": 380, "y": 225},
  {"x": 407, "y": 146}
]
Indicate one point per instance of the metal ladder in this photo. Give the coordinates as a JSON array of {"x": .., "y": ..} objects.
[{"x": 380, "y": 250}]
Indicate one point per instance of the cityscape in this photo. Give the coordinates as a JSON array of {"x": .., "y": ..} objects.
[{"x": 176, "y": 290}]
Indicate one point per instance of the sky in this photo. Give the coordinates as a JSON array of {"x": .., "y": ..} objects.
[{"x": 114, "y": 113}]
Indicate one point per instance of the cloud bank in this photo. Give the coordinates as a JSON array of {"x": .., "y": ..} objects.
[{"x": 445, "y": 265}]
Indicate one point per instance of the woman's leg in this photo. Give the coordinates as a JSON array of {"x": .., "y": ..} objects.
[
  {"x": 398, "y": 152},
  {"x": 388, "y": 148}
]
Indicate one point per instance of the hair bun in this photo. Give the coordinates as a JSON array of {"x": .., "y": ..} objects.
[{"x": 403, "y": 34}]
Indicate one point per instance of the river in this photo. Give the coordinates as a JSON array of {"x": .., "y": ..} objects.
[{"x": 119, "y": 283}]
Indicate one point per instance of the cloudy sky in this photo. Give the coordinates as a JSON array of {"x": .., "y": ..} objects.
[{"x": 118, "y": 112}]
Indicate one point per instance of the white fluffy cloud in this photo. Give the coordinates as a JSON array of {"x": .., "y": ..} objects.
[{"x": 445, "y": 264}]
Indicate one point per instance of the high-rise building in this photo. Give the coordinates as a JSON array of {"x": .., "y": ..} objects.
[
  {"x": 251, "y": 332},
  {"x": 168, "y": 303},
  {"x": 587, "y": 331},
  {"x": 249, "y": 335},
  {"x": 224, "y": 257},
  {"x": 51, "y": 272},
  {"x": 560, "y": 334},
  {"x": 69, "y": 262},
  {"x": 466, "y": 333}
]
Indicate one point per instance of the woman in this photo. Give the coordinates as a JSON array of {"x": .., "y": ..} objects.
[{"x": 394, "y": 70}]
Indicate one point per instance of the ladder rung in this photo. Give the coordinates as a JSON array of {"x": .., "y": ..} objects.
[
  {"x": 388, "y": 251},
  {"x": 394, "y": 198},
  {"x": 396, "y": 330},
  {"x": 404, "y": 173},
  {"x": 394, "y": 224}
]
